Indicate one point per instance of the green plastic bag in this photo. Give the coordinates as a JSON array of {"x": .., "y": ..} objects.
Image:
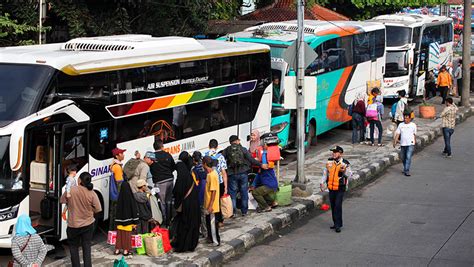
[
  {"x": 142, "y": 250},
  {"x": 120, "y": 263},
  {"x": 283, "y": 196}
]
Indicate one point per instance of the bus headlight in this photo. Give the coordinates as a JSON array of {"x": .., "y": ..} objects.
[
  {"x": 398, "y": 84},
  {"x": 9, "y": 214},
  {"x": 278, "y": 127}
]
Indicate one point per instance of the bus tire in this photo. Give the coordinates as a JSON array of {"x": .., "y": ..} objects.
[{"x": 312, "y": 138}]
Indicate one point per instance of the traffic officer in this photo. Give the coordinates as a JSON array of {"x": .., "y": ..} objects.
[{"x": 335, "y": 176}]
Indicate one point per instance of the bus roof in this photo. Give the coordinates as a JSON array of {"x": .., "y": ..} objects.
[
  {"x": 96, "y": 54},
  {"x": 286, "y": 31},
  {"x": 410, "y": 20}
]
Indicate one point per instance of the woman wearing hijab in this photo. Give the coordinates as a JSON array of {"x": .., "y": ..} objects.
[
  {"x": 126, "y": 219},
  {"x": 254, "y": 142},
  {"x": 27, "y": 247},
  {"x": 188, "y": 215},
  {"x": 81, "y": 207}
]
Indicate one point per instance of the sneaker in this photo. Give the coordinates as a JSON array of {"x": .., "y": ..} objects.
[
  {"x": 448, "y": 156},
  {"x": 213, "y": 245},
  {"x": 338, "y": 230},
  {"x": 407, "y": 174}
]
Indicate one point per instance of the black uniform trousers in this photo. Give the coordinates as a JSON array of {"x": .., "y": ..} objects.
[{"x": 335, "y": 198}]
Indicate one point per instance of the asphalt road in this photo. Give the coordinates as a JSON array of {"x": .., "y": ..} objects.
[{"x": 423, "y": 220}]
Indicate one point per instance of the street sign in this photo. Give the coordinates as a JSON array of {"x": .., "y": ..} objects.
[
  {"x": 290, "y": 55},
  {"x": 290, "y": 100}
]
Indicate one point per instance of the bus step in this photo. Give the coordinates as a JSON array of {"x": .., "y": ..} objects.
[
  {"x": 43, "y": 229},
  {"x": 291, "y": 150}
]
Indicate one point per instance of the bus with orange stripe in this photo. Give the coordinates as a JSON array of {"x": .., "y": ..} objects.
[
  {"x": 350, "y": 61},
  {"x": 72, "y": 103}
]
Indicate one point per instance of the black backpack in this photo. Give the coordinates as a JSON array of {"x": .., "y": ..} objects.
[{"x": 235, "y": 156}]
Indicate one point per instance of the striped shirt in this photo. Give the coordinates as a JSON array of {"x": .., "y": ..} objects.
[
  {"x": 34, "y": 252},
  {"x": 449, "y": 116}
]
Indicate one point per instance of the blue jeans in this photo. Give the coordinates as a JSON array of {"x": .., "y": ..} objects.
[
  {"x": 447, "y": 133},
  {"x": 377, "y": 123},
  {"x": 407, "y": 153},
  {"x": 358, "y": 129},
  {"x": 239, "y": 183}
]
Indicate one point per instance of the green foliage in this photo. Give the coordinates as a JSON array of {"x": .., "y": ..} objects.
[
  {"x": 13, "y": 33},
  {"x": 226, "y": 9}
]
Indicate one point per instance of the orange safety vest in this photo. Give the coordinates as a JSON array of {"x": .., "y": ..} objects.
[{"x": 334, "y": 181}]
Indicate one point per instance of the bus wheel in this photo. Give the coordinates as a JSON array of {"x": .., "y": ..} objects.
[{"x": 313, "y": 139}]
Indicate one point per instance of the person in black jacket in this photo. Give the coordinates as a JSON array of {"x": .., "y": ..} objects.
[
  {"x": 162, "y": 174},
  {"x": 239, "y": 160}
]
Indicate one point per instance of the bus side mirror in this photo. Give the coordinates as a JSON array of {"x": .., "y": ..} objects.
[{"x": 279, "y": 111}]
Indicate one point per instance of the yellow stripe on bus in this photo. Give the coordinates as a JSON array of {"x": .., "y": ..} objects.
[{"x": 71, "y": 70}]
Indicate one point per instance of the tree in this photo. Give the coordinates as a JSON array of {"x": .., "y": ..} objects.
[{"x": 13, "y": 33}]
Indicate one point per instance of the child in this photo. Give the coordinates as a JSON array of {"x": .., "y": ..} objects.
[
  {"x": 70, "y": 179},
  {"x": 211, "y": 201}
]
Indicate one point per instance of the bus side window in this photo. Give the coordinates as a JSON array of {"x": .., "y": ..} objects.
[
  {"x": 193, "y": 75},
  {"x": 162, "y": 80}
]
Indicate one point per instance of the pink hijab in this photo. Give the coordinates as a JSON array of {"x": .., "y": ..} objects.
[{"x": 255, "y": 144}]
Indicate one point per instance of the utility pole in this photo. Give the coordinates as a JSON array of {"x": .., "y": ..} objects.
[
  {"x": 466, "y": 54},
  {"x": 40, "y": 7},
  {"x": 300, "y": 122}
]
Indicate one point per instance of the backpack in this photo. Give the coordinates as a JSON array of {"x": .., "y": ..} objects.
[
  {"x": 130, "y": 167},
  {"x": 235, "y": 156},
  {"x": 371, "y": 111},
  {"x": 113, "y": 189},
  {"x": 350, "y": 109}
]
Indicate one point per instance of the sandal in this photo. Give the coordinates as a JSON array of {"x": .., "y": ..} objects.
[
  {"x": 129, "y": 253},
  {"x": 381, "y": 145},
  {"x": 117, "y": 252},
  {"x": 274, "y": 204}
]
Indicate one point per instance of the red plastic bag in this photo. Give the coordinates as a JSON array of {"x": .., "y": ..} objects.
[{"x": 165, "y": 237}]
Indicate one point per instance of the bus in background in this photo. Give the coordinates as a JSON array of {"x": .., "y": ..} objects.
[
  {"x": 72, "y": 103},
  {"x": 350, "y": 59},
  {"x": 416, "y": 44}
]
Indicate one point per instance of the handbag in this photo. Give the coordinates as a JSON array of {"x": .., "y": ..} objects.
[{"x": 10, "y": 263}]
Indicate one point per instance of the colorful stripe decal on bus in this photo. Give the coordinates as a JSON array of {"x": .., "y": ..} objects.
[
  {"x": 164, "y": 102},
  {"x": 337, "y": 107}
]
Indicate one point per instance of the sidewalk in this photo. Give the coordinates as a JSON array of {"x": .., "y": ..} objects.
[{"x": 242, "y": 233}]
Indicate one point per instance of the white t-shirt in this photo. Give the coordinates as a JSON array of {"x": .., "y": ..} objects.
[{"x": 407, "y": 133}]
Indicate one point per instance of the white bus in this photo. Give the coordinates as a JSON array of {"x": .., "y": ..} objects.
[
  {"x": 415, "y": 44},
  {"x": 72, "y": 103}
]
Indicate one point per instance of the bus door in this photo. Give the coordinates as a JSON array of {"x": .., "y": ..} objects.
[
  {"x": 41, "y": 158},
  {"x": 74, "y": 152}
]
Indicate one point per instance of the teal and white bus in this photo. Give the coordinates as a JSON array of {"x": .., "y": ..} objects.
[
  {"x": 350, "y": 61},
  {"x": 73, "y": 102}
]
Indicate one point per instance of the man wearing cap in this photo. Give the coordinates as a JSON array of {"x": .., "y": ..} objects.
[
  {"x": 335, "y": 177},
  {"x": 116, "y": 169},
  {"x": 239, "y": 161}
]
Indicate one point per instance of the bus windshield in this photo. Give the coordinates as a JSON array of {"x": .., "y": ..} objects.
[
  {"x": 396, "y": 64},
  {"x": 398, "y": 36},
  {"x": 20, "y": 88}
]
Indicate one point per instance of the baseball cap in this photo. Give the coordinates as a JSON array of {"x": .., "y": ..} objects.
[
  {"x": 117, "y": 151},
  {"x": 141, "y": 183},
  {"x": 233, "y": 138},
  {"x": 151, "y": 155},
  {"x": 337, "y": 149}
]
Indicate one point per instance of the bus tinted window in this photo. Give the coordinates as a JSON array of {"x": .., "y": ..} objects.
[
  {"x": 88, "y": 86},
  {"x": 438, "y": 33},
  {"x": 398, "y": 36},
  {"x": 416, "y": 37},
  {"x": 163, "y": 79},
  {"x": 362, "y": 47},
  {"x": 193, "y": 75},
  {"x": 133, "y": 85},
  {"x": 379, "y": 43}
]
